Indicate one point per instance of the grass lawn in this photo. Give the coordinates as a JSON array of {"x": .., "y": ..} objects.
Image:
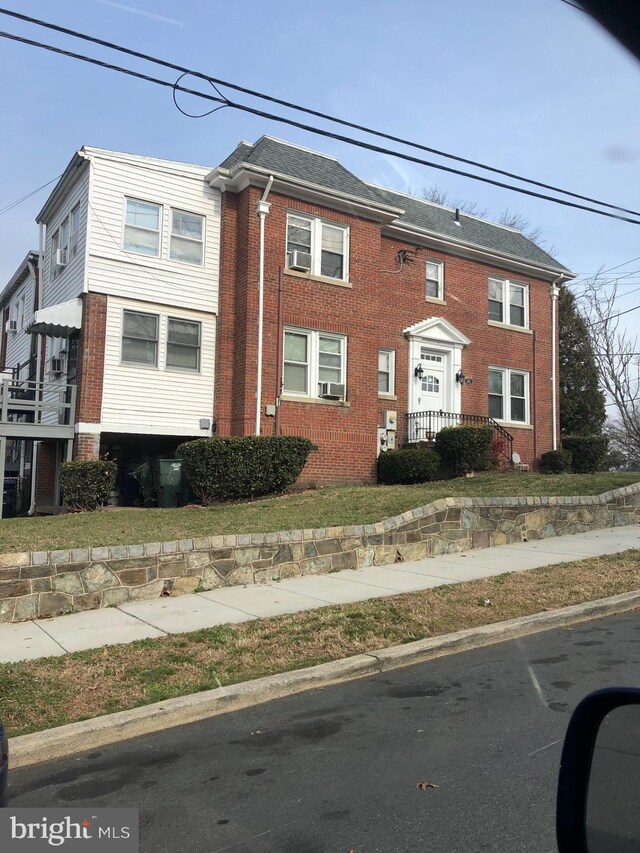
[
  {"x": 323, "y": 507},
  {"x": 36, "y": 695}
]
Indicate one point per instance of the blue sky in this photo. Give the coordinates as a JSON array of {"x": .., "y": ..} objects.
[{"x": 534, "y": 87}]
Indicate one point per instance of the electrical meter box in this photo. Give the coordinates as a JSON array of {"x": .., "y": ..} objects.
[{"x": 390, "y": 420}]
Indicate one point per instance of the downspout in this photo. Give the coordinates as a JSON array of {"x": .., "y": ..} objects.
[
  {"x": 38, "y": 415},
  {"x": 262, "y": 209},
  {"x": 280, "y": 348},
  {"x": 554, "y": 293}
]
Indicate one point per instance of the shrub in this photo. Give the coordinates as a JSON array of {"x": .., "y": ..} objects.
[
  {"x": 415, "y": 465},
  {"x": 86, "y": 485},
  {"x": 555, "y": 462},
  {"x": 244, "y": 467},
  {"x": 588, "y": 452},
  {"x": 464, "y": 449}
]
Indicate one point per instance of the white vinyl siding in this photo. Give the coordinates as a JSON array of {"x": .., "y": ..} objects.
[
  {"x": 311, "y": 357},
  {"x": 19, "y": 343},
  {"x": 162, "y": 400},
  {"x": 509, "y": 302},
  {"x": 170, "y": 187},
  {"x": 509, "y": 395},
  {"x": 63, "y": 283}
]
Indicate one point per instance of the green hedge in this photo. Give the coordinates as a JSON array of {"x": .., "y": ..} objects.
[
  {"x": 223, "y": 469},
  {"x": 588, "y": 452},
  {"x": 415, "y": 465},
  {"x": 86, "y": 485},
  {"x": 555, "y": 462},
  {"x": 464, "y": 449}
]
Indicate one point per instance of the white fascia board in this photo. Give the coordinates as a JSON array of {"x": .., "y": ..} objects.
[
  {"x": 155, "y": 164},
  {"x": 475, "y": 252},
  {"x": 69, "y": 176}
]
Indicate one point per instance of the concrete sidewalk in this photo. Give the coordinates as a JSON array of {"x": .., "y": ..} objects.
[{"x": 161, "y": 616}]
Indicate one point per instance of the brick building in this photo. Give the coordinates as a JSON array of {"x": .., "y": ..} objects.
[
  {"x": 279, "y": 293},
  {"x": 384, "y": 317}
]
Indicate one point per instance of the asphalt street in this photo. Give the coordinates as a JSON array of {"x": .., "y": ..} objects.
[{"x": 458, "y": 754}]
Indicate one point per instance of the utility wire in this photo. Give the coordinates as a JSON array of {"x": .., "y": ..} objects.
[
  {"x": 18, "y": 201},
  {"x": 612, "y": 317},
  {"x": 311, "y": 129},
  {"x": 307, "y": 110}
]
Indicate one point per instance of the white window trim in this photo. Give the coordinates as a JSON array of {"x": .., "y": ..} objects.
[
  {"x": 74, "y": 234},
  {"x": 392, "y": 372},
  {"x": 189, "y": 239},
  {"x": 140, "y": 364},
  {"x": 440, "y": 280},
  {"x": 159, "y": 231},
  {"x": 313, "y": 361},
  {"x": 316, "y": 244},
  {"x": 506, "y": 395},
  {"x": 506, "y": 283},
  {"x": 173, "y": 368}
]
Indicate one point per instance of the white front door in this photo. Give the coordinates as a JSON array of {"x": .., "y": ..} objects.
[{"x": 429, "y": 391}]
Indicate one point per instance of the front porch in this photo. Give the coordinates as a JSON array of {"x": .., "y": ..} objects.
[{"x": 422, "y": 427}]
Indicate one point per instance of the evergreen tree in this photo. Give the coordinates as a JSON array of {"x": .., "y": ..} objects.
[{"x": 582, "y": 410}]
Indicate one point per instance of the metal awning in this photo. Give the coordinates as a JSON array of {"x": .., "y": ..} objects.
[{"x": 58, "y": 321}]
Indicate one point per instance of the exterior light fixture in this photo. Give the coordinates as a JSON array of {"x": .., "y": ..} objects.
[
  {"x": 460, "y": 376},
  {"x": 418, "y": 372}
]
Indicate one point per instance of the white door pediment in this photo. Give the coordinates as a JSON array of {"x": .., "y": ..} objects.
[{"x": 437, "y": 329}]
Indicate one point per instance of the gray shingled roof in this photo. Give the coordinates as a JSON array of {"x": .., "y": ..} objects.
[
  {"x": 286, "y": 159},
  {"x": 276, "y": 156},
  {"x": 478, "y": 232}
]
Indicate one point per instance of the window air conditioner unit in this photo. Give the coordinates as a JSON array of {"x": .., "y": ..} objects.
[
  {"x": 300, "y": 261},
  {"x": 331, "y": 390},
  {"x": 56, "y": 365},
  {"x": 12, "y": 326},
  {"x": 62, "y": 257}
]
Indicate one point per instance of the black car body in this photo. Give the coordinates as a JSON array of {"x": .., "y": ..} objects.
[{"x": 4, "y": 765}]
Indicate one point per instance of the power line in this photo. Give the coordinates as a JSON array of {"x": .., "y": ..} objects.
[
  {"x": 307, "y": 110},
  {"x": 28, "y": 195},
  {"x": 612, "y": 317},
  {"x": 311, "y": 129}
]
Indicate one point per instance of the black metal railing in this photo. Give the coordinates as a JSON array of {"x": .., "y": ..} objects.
[{"x": 424, "y": 426}]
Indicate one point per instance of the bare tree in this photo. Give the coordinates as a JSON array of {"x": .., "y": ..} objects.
[
  {"x": 435, "y": 194},
  {"x": 618, "y": 363}
]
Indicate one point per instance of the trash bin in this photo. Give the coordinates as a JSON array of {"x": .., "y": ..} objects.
[{"x": 168, "y": 479}]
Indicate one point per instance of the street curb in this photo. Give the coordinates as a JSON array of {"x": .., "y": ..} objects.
[{"x": 101, "y": 731}]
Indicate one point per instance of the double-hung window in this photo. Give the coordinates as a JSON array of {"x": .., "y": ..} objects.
[
  {"x": 187, "y": 237},
  {"x": 435, "y": 280},
  {"x": 317, "y": 247},
  {"x": 142, "y": 228},
  {"x": 74, "y": 222},
  {"x": 140, "y": 338},
  {"x": 508, "y": 302},
  {"x": 310, "y": 358},
  {"x": 386, "y": 370},
  {"x": 183, "y": 344},
  {"x": 54, "y": 269},
  {"x": 509, "y": 395}
]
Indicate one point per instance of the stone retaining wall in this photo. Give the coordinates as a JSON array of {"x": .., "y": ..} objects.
[{"x": 47, "y": 583}]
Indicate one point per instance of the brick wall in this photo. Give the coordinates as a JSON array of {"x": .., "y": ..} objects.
[
  {"x": 372, "y": 313},
  {"x": 86, "y": 446},
  {"x": 46, "y": 476},
  {"x": 90, "y": 372}
]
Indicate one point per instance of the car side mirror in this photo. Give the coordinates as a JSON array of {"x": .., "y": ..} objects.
[{"x": 599, "y": 783}]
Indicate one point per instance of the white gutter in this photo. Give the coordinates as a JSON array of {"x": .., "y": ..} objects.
[
  {"x": 554, "y": 292},
  {"x": 262, "y": 209},
  {"x": 34, "y": 455}
]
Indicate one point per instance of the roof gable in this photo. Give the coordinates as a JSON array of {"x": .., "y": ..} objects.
[{"x": 439, "y": 329}]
